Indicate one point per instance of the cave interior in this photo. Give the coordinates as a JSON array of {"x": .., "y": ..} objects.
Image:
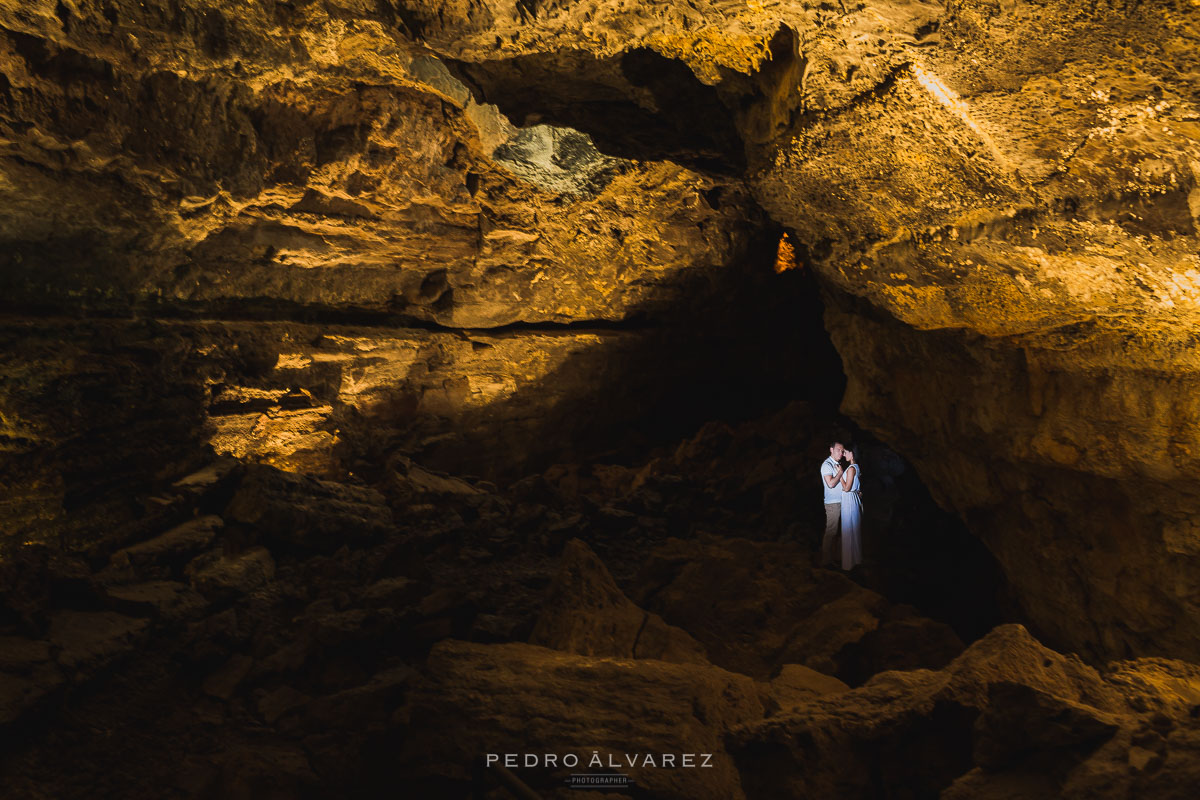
[{"x": 410, "y": 396}]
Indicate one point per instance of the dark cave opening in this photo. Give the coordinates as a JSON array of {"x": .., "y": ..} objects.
[{"x": 639, "y": 105}]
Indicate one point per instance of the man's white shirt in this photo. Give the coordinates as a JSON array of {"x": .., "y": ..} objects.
[{"x": 834, "y": 494}]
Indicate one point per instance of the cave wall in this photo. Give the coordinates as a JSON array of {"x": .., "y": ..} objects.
[
  {"x": 220, "y": 157},
  {"x": 288, "y": 233},
  {"x": 1008, "y": 230},
  {"x": 1000, "y": 200}
]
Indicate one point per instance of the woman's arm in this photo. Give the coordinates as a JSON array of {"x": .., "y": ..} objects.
[{"x": 848, "y": 477}]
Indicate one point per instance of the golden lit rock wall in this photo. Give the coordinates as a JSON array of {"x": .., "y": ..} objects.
[
  {"x": 1000, "y": 198},
  {"x": 1008, "y": 231},
  {"x": 223, "y": 156},
  {"x": 250, "y": 164}
]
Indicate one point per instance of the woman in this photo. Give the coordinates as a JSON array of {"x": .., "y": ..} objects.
[{"x": 851, "y": 513}]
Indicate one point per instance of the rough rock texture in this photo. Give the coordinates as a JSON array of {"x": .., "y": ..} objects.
[
  {"x": 1008, "y": 717},
  {"x": 486, "y": 698},
  {"x": 586, "y": 613},
  {"x": 312, "y": 220},
  {"x": 296, "y": 669},
  {"x": 757, "y": 606},
  {"x": 1020, "y": 326},
  {"x": 1001, "y": 200},
  {"x": 98, "y": 410},
  {"x": 224, "y": 156},
  {"x": 283, "y": 632}
]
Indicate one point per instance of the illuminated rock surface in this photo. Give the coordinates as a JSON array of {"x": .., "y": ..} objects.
[
  {"x": 1000, "y": 202},
  {"x": 328, "y": 324}
]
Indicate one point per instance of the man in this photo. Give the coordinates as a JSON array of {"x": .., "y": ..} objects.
[{"x": 831, "y": 476}]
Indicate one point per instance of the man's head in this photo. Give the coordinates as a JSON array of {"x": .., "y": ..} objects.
[{"x": 835, "y": 451}]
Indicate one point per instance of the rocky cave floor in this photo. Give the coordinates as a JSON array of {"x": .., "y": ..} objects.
[{"x": 284, "y": 637}]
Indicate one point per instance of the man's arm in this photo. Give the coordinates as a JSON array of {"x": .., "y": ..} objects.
[{"x": 831, "y": 478}]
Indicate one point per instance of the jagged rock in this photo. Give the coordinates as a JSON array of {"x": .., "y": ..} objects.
[
  {"x": 305, "y": 184},
  {"x": 512, "y": 697},
  {"x": 36, "y": 577},
  {"x": 27, "y": 674},
  {"x": 165, "y": 600},
  {"x": 164, "y": 555},
  {"x": 586, "y": 613},
  {"x": 1034, "y": 259},
  {"x": 756, "y": 606},
  {"x": 903, "y": 640},
  {"x": 208, "y": 477},
  {"x": 273, "y": 772},
  {"x": 370, "y": 705},
  {"x": 999, "y": 202},
  {"x": 391, "y": 592},
  {"x": 1007, "y": 715},
  {"x": 221, "y": 577},
  {"x": 298, "y": 511},
  {"x": 283, "y": 700},
  {"x": 1157, "y": 685},
  {"x": 210, "y": 640},
  {"x": 1020, "y": 720},
  {"x": 1045, "y": 248},
  {"x": 411, "y": 483},
  {"x": 86, "y": 641},
  {"x": 796, "y": 684},
  {"x": 225, "y": 681}
]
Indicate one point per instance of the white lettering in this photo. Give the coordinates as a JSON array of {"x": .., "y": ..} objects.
[
  {"x": 574, "y": 760},
  {"x": 492, "y": 758},
  {"x": 707, "y": 758},
  {"x": 551, "y": 759},
  {"x": 510, "y": 759},
  {"x": 689, "y": 760},
  {"x": 668, "y": 759}
]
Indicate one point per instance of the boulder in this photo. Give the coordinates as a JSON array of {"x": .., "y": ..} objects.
[
  {"x": 756, "y": 606},
  {"x": 797, "y": 684},
  {"x": 165, "y": 600},
  {"x": 219, "y": 577},
  {"x": 1006, "y": 705},
  {"x": 224, "y": 682},
  {"x": 28, "y": 673},
  {"x": 903, "y": 640},
  {"x": 586, "y": 613},
  {"x": 164, "y": 555},
  {"x": 518, "y": 698},
  {"x": 294, "y": 511},
  {"x": 1020, "y": 720},
  {"x": 86, "y": 641}
]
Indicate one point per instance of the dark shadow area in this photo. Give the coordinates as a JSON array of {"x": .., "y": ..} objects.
[
  {"x": 638, "y": 105},
  {"x": 716, "y": 352},
  {"x": 730, "y": 385}
]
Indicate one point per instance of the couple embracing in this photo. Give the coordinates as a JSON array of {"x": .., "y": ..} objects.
[{"x": 843, "y": 504}]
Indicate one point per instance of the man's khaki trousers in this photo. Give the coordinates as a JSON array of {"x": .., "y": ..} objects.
[{"x": 830, "y": 544}]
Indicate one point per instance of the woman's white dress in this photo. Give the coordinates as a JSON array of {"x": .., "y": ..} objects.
[{"x": 852, "y": 523}]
